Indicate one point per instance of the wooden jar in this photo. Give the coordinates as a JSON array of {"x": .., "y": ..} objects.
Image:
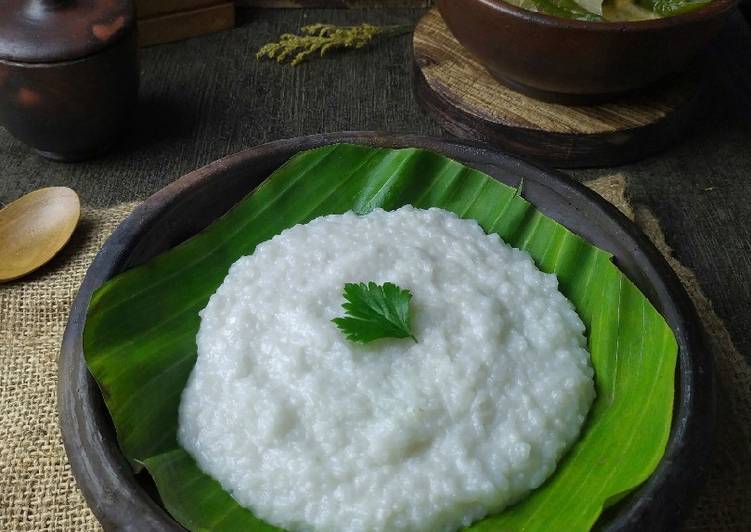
[{"x": 68, "y": 74}]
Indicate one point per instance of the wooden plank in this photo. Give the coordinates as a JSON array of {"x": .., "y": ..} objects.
[
  {"x": 185, "y": 24},
  {"x": 347, "y": 4},
  {"x": 151, "y": 8}
]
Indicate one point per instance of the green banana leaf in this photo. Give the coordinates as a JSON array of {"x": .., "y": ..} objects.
[{"x": 139, "y": 339}]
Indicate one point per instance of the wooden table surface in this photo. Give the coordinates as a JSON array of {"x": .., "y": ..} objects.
[{"x": 208, "y": 97}]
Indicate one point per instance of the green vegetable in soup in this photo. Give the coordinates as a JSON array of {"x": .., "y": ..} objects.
[
  {"x": 610, "y": 10},
  {"x": 626, "y": 10},
  {"x": 667, "y": 8},
  {"x": 565, "y": 9}
]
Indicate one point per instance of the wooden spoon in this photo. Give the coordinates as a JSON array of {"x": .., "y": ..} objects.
[{"x": 34, "y": 228}]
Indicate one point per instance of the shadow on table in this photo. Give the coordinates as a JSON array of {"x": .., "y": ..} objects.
[{"x": 157, "y": 119}]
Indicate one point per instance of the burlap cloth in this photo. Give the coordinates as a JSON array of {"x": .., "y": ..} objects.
[{"x": 37, "y": 489}]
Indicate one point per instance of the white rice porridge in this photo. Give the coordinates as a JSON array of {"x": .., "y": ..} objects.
[{"x": 313, "y": 432}]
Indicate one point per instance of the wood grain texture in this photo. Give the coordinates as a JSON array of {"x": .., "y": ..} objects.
[
  {"x": 468, "y": 101},
  {"x": 34, "y": 228},
  {"x": 150, "y": 8},
  {"x": 185, "y": 24}
]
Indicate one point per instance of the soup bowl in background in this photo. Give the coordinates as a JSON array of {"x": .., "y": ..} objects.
[{"x": 574, "y": 61}]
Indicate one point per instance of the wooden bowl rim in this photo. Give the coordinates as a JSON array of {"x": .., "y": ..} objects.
[
  {"x": 711, "y": 10},
  {"x": 120, "y": 502}
]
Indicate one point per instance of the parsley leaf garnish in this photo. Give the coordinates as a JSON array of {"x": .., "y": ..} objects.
[{"x": 375, "y": 311}]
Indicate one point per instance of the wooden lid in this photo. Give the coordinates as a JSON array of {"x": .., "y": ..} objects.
[{"x": 48, "y": 31}]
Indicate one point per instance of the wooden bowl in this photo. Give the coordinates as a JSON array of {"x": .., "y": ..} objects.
[
  {"x": 573, "y": 61},
  {"x": 124, "y": 500}
]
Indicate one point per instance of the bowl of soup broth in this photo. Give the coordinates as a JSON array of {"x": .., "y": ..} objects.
[{"x": 579, "y": 51}]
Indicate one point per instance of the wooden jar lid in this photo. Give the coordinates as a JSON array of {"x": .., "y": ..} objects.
[
  {"x": 465, "y": 99},
  {"x": 50, "y": 31}
]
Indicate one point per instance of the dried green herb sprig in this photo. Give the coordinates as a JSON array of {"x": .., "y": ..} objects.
[{"x": 322, "y": 38}]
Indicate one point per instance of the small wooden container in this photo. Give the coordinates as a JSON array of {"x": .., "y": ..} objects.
[{"x": 68, "y": 73}]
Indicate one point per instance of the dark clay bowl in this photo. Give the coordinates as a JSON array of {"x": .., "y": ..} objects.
[
  {"x": 123, "y": 500},
  {"x": 572, "y": 61}
]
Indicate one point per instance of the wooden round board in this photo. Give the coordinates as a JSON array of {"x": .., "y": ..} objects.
[{"x": 470, "y": 103}]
